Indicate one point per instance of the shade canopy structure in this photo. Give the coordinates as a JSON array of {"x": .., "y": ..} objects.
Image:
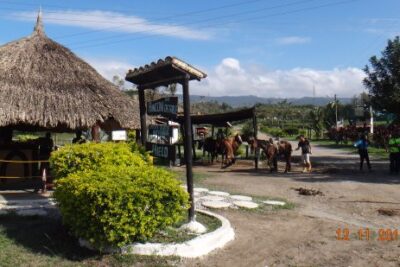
[
  {"x": 220, "y": 119},
  {"x": 45, "y": 86}
]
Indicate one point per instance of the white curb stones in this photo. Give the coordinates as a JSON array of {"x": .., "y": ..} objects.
[
  {"x": 199, "y": 246},
  {"x": 216, "y": 204},
  {"x": 218, "y": 193},
  {"x": 245, "y": 204},
  {"x": 200, "y": 190},
  {"x": 274, "y": 202},
  {"x": 241, "y": 198},
  {"x": 196, "y": 194},
  {"x": 212, "y": 198}
]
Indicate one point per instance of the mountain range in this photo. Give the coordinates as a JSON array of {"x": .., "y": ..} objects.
[{"x": 251, "y": 100}]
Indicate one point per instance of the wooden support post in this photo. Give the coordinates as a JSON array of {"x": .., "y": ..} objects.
[
  {"x": 44, "y": 180},
  {"x": 179, "y": 154},
  {"x": 188, "y": 144},
  {"x": 212, "y": 131},
  {"x": 137, "y": 136},
  {"x": 142, "y": 109},
  {"x": 193, "y": 144}
]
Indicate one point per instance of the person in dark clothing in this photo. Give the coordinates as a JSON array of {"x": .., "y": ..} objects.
[
  {"x": 305, "y": 146},
  {"x": 45, "y": 146},
  {"x": 362, "y": 146}
]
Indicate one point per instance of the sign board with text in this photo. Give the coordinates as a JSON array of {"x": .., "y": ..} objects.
[
  {"x": 167, "y": 107},
  {"x": 162, "y": 150},
  {"x": 162, "y": 130}
]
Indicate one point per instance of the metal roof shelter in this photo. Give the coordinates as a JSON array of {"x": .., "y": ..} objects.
[
  {"x": 162, "y": 73},
  {"x": 221, "y": 119}
]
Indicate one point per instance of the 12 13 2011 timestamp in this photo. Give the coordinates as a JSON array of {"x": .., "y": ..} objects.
[{"x": 345, "y": 234}]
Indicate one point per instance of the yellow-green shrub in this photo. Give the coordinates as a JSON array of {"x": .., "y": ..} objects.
[
  {"x": 117, "y": 205},
  {"x": 90, "y": 156}
]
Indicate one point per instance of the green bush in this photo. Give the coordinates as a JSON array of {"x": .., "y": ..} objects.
[
  {"x": 117, "y": 205},
  {"x": 84, "y": 157},
  {"x": 276, "y": 132},
  {"x": 303, "y": 132},
  {"x": 240, "y": 151},
  {"x": 290, "y": 131},
  {"x": 247, "y": 130}
]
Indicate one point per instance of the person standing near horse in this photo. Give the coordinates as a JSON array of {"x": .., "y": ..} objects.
[
  {"x": 362, "y": 146},
  {"x": 305, "y": 146}
]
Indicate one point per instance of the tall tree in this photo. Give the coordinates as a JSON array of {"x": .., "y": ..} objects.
[
  {"x": 383, "y": 78},
  {"x": 118, "y": 81}
]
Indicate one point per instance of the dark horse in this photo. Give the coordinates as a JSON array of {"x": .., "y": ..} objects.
[{"x": 213, "y": 147}]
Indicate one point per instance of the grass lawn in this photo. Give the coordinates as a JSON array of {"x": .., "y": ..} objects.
[
  {"x": 375, "y": 152},
  {"x": 37, "y": 241}
]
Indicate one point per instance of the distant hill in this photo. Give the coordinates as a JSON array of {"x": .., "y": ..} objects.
[{"x": 250, "y": 100}]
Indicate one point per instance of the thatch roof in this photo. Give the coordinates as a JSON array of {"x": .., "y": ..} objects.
[{"x": 43, "y": 85}]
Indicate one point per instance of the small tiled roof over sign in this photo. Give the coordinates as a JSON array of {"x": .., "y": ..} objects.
[{"x": 163, "y": 71}]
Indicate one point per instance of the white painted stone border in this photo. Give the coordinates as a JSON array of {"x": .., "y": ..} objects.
[
  {"x": 196, "y": 247},
  {"x": 199, "y": 246}
]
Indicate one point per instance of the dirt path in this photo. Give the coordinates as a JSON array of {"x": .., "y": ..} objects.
[{"x": 306, "y": 235}]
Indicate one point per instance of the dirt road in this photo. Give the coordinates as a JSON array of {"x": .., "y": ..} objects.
[{"x": 306, "y": 235}]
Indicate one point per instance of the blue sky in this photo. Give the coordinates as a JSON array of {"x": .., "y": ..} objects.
[{"x": 274, "y": 48}]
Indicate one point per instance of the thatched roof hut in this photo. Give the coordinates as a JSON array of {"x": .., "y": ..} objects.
[{"x": 44, "y": 86}]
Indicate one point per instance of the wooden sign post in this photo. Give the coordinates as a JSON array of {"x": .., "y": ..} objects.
[
  {"x": 171, "y": 70},
  {"x": 167, "y": 107}
]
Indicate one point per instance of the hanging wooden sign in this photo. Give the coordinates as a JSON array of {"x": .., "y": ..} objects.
[
  {"x": 167, "y": 106},
  {"x": 162, "y": 130},
  {"x": 162, "y": 150}
]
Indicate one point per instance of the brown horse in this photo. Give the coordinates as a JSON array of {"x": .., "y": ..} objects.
[
  {"x": 285, "y": 150},
  {"x": 269, "y": 149},
  {"x": 229, "y": 146},
  {"x": 272, "y": 152}
]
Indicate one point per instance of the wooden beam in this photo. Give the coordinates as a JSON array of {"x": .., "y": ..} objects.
[
  {"x": 255, "y": 129},
  {"x": 142, "y": 109},
  {"x": 188, "y": 144},
  {"x": 153, "y": 85}
]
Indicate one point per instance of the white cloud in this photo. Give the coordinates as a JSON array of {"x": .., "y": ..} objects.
[
  {"x": 383, "y": 26},
  {"x": 231, "y": 78},
  {"x": 109, "y": 68},
  {"x": 290, "y": 40},
  {"x": 113, "y": 22}
]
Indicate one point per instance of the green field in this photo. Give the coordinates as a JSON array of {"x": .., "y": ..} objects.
[{"x": 379, "y": 153}]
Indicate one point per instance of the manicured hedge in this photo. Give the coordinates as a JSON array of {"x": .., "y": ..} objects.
[
  {"x": 90, "y": 156},
  {"x": 110, "y": 196},
  {"x": 115, "y": 206}
]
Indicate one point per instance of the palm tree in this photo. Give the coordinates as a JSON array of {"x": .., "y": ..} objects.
[{"x": 317, "y": 121}]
